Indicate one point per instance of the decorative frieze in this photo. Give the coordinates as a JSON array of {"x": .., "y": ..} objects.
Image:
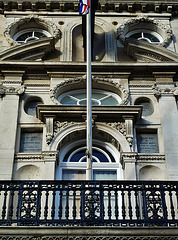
[{"x": 28, "y": 157}]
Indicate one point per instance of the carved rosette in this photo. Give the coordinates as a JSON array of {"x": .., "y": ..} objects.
[
  {"x": 12, "y": 90},
  {"x": 126, "y": 27},
  {"x": 54, "y": 93}
]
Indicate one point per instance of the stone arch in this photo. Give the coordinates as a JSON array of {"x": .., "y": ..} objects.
[
  {"x": 151, "y": 172},
  {"x": 27, "y": 172},
  {"x": 114, "y": 136},
  {"x": 31, "y": 21},
  {"x": 108, "y": 32},
  {"x": 97, "y": 83},
  {"x": 148, "y": 23}
]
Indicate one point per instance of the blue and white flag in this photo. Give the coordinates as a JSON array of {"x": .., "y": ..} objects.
[{"x": 84, "y": 6}]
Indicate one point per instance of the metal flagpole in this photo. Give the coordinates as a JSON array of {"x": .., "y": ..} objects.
[{"x": 89, "y": 98}]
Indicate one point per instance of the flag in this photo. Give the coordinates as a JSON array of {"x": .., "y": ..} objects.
[{"x": 84, "y": 6}]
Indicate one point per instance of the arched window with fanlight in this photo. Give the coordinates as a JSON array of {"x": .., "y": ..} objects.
[
  {"x": 145, "y": 35},
  {"x": 105, "y": 161},
  {"x": 30, "y": 34},
  {"x": 99, "y": 97}
]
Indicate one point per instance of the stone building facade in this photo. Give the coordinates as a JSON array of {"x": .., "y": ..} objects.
[{"x": 135, "y": 93}]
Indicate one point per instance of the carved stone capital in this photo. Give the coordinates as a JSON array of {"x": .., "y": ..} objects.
[
  {"x": 128, "y": 157},
  {"x": 12, "y": 90},
  {"x": 166, "y": 91}
]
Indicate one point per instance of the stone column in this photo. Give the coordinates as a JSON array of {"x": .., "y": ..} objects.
[
  {"x": 128, "y": 161},
  {"x": 10, "y": 91},
  {"x": 164, "y": 90},
  {"x": 50, "y": 159}
]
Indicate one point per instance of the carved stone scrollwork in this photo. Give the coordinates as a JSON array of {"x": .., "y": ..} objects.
[
  {"x": 12, "y": 90},
  {"x": 61, "y": 125},
  {"x": 176, "y": 91},
  {"x": 119, "y": 126},
  {"x": 54, "y": 93},
  {"x": 158, "y": 92}
]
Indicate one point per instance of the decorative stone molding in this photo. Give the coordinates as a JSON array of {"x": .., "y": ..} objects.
[
  {"x": 71, "y": 84},
  {"x": 165, "y": 30},
  {"x": 101, "y": 237},
  {"x": 119, "y": 126},
  {"x": 28, "y": 157},
  {"x": 141, "y": 158},
  {"x": 58, "y": 126},
  {"x": 39, "y": 21},
  {"x": 176, "y": 91},
  {"x": 50, "y": 156},
  {"x": 169, "y": 91},
  {"x": 12, "y": 90},
  {"x": 151, "y": 158}
]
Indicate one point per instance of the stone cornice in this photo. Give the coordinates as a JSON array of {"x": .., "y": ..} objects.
[
  {"x": 112, "y": 5},
  {"x": 110, "y": 113}
]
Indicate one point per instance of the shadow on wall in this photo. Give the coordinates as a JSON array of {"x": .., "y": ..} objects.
[
  {"x": 151, "y": 173},
  {"x": 77, "y": 44}
]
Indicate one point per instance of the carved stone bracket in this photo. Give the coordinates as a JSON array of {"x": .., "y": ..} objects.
[
  {"x": 129, "y": 129},
  {"x": 49, "y": 129},
  {"x": 12, "y": 90}
]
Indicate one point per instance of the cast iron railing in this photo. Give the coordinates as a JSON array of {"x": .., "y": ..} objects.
[{"x": 88, "y": 203}]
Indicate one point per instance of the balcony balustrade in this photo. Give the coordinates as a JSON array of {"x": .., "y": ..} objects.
[{"x": 88, "y": 203}]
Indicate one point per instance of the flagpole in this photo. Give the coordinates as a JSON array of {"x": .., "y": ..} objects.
[{"x": 89, "y": 98}]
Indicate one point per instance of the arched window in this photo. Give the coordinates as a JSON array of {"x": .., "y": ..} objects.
[
  {"x": 99, "y": 97},
  {"x": 30, "y": 34},
  {"x": 145, "y": 35},
  {"x": 30, "y": 106},
  {"x": 72, "y": 164}
]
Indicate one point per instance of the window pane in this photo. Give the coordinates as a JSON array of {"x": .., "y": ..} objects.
[
  {"x": 73, "y": 175},
  {"x": 104, "y": 175}
]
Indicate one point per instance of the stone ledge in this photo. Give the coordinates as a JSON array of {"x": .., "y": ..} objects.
[{"x": 88, "y": 233}]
